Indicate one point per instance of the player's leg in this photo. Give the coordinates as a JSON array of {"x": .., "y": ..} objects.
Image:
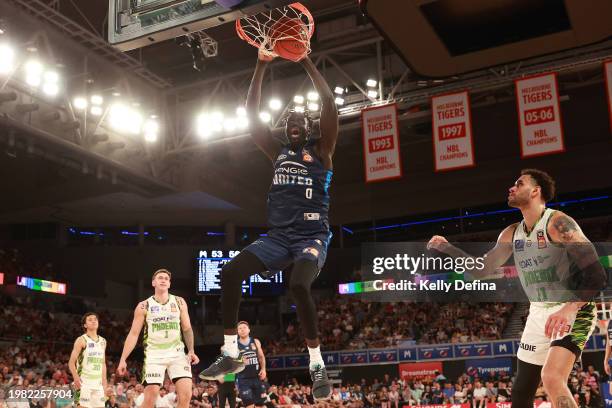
[
  {"x": 563, "y": 354},
  {"x": 151, "y": 392},
  {"x": 269, "y": 253},
  {"x": 183, "y": 392},
  {"x": 528, "y": 377},
  {"x": 302, "y": 275},
  {"x": 179, "y": 372},
  {"x": 555, "y": 373},
  {"x": 246, "y": 393},
  {"x": 152, "y": 378},
  {"x": 309, "y": 254},
  {"x": 531, "y": 356},
  {"x": 259, "y": 389}
]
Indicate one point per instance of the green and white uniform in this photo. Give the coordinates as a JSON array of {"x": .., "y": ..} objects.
[
  {"x": 544, "y": 269},
  {"x": 90, "y": 364},
  {"x": 164, "y": 349}
]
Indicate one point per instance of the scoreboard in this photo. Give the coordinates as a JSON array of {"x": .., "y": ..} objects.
[{"x": 210, "y": 262}]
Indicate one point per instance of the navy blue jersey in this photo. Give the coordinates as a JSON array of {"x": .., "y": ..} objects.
[
  {"x": 609, "y": 334},
  {"x": 249, "y": 355},
  {"x": 298, "y": 197}
]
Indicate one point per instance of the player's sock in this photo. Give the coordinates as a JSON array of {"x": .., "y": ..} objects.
[
  {"x": 230, "y": 346},
  {"x": 316, "y": 359}
]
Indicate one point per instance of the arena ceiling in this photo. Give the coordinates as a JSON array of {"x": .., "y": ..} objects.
[{"x": 182, "y": 180}]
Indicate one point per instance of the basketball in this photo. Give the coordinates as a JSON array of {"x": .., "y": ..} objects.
[{"x": 289, "y": 36}]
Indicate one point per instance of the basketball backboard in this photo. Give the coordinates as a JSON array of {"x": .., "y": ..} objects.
[{"x": 138, "y": 23}]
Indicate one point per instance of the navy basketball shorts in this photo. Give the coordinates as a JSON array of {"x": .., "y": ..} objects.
[
  {"x": 281, "y": 248},
  {"x": 251, "y": 391}
]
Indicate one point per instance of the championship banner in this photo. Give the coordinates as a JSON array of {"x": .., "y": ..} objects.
[
  {"x": 608, "y": 79},
  {"x": 537, "y": 100},
  {"x": 452, "y": 131},
  {"x": 381, "y": 153},
  {"x": 410, "y": 371}
]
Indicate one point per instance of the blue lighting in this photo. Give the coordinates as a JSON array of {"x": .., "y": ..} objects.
[
  {"x": 347, "y": 230},
  {"x": 132, "y": 233},
  {"x": 215, "y": 234},
  {"x": 476, "y": 215}
]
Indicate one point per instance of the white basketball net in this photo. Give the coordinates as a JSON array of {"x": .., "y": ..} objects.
[{"x": 256, "y": 29}]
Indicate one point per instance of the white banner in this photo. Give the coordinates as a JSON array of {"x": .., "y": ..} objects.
[
  {"x": 537, "y": 101},
  {"x": 608, "y": 78},
  {"x": 452, "y": 131},
  {"x": 381, "y": 150}
]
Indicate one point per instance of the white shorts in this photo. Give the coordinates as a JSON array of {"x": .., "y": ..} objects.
[
  {"x": 535, "y": 344},
  {"x": 90, "y": 396},
  {"x": 154, "y": 369}
]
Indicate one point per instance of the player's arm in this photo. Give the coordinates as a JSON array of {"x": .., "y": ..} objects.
[
  {"x": 260, "y": 132},
  {"x": 132, "y": 337},
  {"x": 187, "y": 331},
  {"x": 262, "y": 360},
  {"x": 564, "y": 230},
  {"x": 79, "y": 345},
  {"x": 104, "y": 377},
  {"x": 492, "y": 260},
  {"x": 329, "y": 113},
  {"x": 608, "y": 348}
]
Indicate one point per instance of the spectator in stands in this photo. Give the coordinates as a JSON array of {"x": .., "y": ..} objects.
[{"x": 480, "y": 395}]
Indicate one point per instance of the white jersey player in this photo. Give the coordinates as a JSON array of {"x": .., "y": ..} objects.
[
  {"x": 560, "y": 273},
  {"x": 88, "y": 365},
  {"x": 167, "y": 330}
]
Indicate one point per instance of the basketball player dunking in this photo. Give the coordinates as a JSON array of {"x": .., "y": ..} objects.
[
  {"x": 556, "y": 332},
  {"x": 167, "y": 329},
  {"x": 298, "y": 203}
]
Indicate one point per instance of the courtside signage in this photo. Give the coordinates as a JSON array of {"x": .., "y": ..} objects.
[
  {"x": 452, "y": 131},
  {"x": 381, "y": 155},
  {"x": 537, "y": 100}
]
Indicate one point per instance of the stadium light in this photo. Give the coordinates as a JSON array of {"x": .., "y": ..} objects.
[
  {"x": 79, "y": 103},
  {"x": 265, "y": 117},
  {"x": 242, "y": 122},
  {"x": 312, "y": 96},
  {"x": 339, "y": 90},
  {"x": 371, "y": 83},
  {"x": 34, "y": 70},
  {"x": 299, "y": 109},
  {"x": 312, "y": 106},
  {"x": 151, "y": 130},
  {"x": 339, "y": 101},
  {"x": 372, "y": 93},
  {"x": 125, "y": 119},
  {"x": 299, "y": 99},
  {"x": 97, "y": 100},
  {"x": 50, "y": 84},
  {"x": 230, "y": 124},
  {"x": 275, "y": 104},
  {"x": 96, "y": 110},
  {"x": 7, "y": 59},
  {"x": 216, "y": 121},
  {"x": 241, "y": 111},
  {"x": 203, "y": 126}
]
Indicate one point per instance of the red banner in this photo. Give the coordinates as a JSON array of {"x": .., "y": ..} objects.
[
  {"x": 442, "y": 406},
  {"x": 410, "y": 371},
  {"x": 381, "y": 153},
  {"x": 452, "y": 131},
  {"x": 608, "y": 78},
  {"x": 536, "y": 404},
  {"x": 537, "y": 100}
]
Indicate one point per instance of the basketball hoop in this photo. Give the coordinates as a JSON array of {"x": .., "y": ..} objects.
[{"x": 265, "y": 30}]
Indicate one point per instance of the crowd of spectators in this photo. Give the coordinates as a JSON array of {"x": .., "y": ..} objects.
[
  {"x": 13, "y": 263},
  {"x": 19, "y": 320},
  {"x": 45, "y": 364},
  {"x": 350, "y": 323}
]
